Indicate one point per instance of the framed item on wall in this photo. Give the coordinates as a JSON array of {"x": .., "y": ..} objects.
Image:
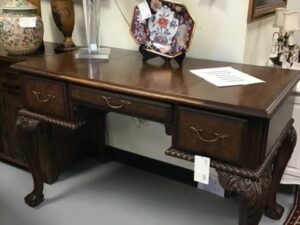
[{"x": 261, "y": 8}]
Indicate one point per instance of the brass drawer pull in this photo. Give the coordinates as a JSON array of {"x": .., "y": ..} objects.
[
  {"x": 199, "y": 131},
  {"x": 122, "y": 105},
  {"x": 48, "y": 97}
]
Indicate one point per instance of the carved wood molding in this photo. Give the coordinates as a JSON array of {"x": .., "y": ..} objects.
[
  {"x": 24, "y": 122},
  {"x": 242, "y": 172},
  {"x": 253, "y": 194},
  {"x": 48, "y": 119}
]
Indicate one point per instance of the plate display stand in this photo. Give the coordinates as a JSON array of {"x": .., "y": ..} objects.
[{"x": 149, "y": 55}]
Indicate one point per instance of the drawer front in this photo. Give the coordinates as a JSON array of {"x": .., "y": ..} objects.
[
  {"x": 133, "y": 106},
  {"x": 45, "y": 96},
  {"x": 217, "y": 136}
]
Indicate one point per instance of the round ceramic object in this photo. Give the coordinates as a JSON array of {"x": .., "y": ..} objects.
[
  {"x": 21, "y": 29},
  {"x": 169, "y": 30}
]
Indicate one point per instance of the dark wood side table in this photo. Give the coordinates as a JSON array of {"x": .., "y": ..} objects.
[
  {"x": 51, "y": 140},
  {"x": 256, "y": 119}
]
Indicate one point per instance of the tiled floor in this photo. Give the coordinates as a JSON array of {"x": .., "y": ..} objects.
[{"x": 115, "y": 194}]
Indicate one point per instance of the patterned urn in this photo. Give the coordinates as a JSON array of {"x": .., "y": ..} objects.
[{"x": 21, "y": 29}]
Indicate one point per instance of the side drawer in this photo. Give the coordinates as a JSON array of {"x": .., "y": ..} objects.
[
  {"x": 133, "y": 106},
  {"x": 45, "y": 96},
  {"x": 218, "y": 136}
]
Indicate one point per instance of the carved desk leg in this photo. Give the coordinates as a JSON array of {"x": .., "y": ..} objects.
[
  {"x": 25, "y": 128},
  {"x": 274, "y": 210},
  {"x": 252, "y": 195}
]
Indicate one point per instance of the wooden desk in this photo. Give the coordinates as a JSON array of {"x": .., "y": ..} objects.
[
  {"x": 51, "y": 140},
  {"x": 257, "y": 119}
]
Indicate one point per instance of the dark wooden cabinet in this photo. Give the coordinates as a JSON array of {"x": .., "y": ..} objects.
[
  {"x": 10, "y": 103},
  {"x": 57, "y": 147}
]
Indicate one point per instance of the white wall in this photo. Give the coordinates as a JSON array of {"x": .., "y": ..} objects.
[
  {"x": 259, "y": 41},
  {"x": 221, "y": 33},
  {"x": 295, "y": 5},
  {"x": 220, "y": 27}
]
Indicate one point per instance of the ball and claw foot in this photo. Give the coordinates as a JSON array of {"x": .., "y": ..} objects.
[
  {"x": 275, "y": 212},
  {"x": 34, "y": 200}
]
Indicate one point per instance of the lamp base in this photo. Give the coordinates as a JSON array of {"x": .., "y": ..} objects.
[{"x": 102, "y": 53}]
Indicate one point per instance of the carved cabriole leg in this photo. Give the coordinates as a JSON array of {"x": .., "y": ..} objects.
[
  {"x": 26, "y": 124},
  {"x": 274, "y": 210},
  {"x": 25, "y": 128},
  {"x": 252, "y": 195}
]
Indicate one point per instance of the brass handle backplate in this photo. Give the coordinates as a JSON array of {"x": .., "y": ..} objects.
[
  {"x": 200, "y": 131},
  {"x": 48, "y": 97},
  {"x": 110, "y": 105}
]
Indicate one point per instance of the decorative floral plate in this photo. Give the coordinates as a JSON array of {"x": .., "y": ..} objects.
[{"x": 168, "y": 32}]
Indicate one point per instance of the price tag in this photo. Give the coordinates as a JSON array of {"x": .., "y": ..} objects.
[
  {"x": 27, "y": 22},
  {"x": 201, "y": 169},
  {"x": 144, "y": 10}
]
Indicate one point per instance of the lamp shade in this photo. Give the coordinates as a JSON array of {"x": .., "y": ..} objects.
[
  {"x": 279, "y": 17},
  {"x": 290, "y": 21}
]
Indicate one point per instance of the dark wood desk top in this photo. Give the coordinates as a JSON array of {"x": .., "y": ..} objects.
[{"x": 125, "y": 73}]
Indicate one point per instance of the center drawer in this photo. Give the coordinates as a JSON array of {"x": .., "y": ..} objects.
[
  {"x": 218, "y": 136},
  {"x": 133, "y": 106}
]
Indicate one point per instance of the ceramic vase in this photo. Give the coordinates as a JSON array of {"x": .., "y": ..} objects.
[
  {"x": 21, "y": 29},
  {"x": 63, "y": 15}
]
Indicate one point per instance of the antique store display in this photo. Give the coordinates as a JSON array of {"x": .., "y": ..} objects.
[
  {"x": 167, "y": 33},
  {"x": 21, "y": 29},
  {"x": 285, "y": 51},
  {"x": 91, "y": 9},
  {"x": 63, "y": 15}
]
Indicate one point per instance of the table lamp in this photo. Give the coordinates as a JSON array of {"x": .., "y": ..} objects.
[
  {"x": 91, "y": 10},
  {"x": 285, "y": 51},
  {"x": 290, "y": 25}
]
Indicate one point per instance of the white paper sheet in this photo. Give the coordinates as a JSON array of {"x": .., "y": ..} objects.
[{"x": 225, "y": 76}]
